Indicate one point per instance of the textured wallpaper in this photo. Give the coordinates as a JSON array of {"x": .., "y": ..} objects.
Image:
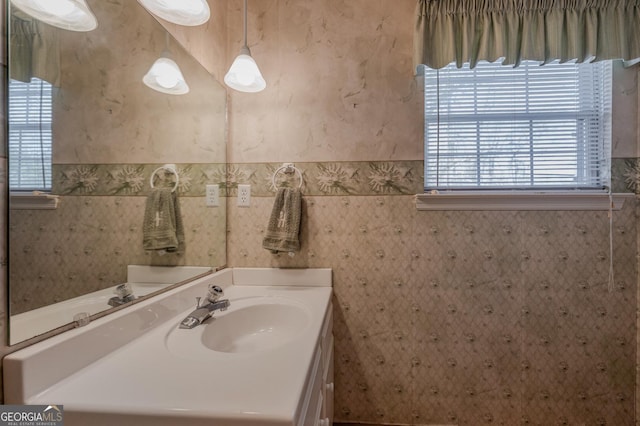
[
  {"x": 441, "y": 317},
  {"x": 88, "y": 241},
  {"x": 468, "y": 318}
]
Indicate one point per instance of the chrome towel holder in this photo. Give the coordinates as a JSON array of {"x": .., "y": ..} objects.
[
  {"x": 171, "y": 168},
  {"x": 288, "y": 168}
]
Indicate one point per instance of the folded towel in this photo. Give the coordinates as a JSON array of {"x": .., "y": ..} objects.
[
  {"x": 284, "y": 223},
  {"x": 162, "y": 229}
]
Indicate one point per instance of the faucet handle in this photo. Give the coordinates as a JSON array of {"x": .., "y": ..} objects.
[
  {"x": 123, "y": 290},
  {"x": 215, "y": 293},
  {"x": 198, "y": 302}
]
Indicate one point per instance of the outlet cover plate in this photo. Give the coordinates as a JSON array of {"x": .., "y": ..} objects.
[
  {"x": 244, "y": 195},
  {"x": 212, "y": 195}
]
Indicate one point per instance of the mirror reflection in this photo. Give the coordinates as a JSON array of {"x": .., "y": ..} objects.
[{"x": 87, "y": 134}]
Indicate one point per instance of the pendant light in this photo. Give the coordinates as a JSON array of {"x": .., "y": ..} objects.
[
  {"x": 244, "y": 74},
  {"x": 182, "y": 12},
  {"x": 165, "y": 76},
  {"x": 73, "y": 15}
]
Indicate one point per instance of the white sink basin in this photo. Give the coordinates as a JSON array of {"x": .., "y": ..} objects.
[
  {"x": 250, "y": 325},
  {"x": 255, "y": 328}
]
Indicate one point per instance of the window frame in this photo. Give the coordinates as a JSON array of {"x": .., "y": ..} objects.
[
  {"x": 532, "y": 198},
  {"x": 25, "y": 123},
  {"x": 31, "y": 197}
]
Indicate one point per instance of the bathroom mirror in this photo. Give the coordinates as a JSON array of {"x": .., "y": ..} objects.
[{"x": 109, "y": 132}]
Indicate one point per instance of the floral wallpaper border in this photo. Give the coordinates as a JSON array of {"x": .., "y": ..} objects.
[
  {"x": 327, "y": 178},
  {"x": 625, "y": 175},
  {"x": 132, "y": 179},
  {"x": 332, "y": 178},
  {"x": 319, "y": 178}
]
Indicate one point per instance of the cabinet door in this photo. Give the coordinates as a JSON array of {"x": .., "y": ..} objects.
[
  {"x": 320, "y": 421},
  {"x": 328, "y": 386},
  {"x": 315, "y": 392}
]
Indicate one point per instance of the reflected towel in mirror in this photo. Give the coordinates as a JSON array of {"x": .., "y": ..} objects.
[{"x": 162, "y": 229}]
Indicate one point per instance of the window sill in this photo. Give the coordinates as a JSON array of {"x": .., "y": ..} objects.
[
  {"x": 33, "y": 201},
  {"x": 518, "y": 200}
]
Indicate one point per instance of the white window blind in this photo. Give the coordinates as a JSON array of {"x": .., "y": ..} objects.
[
  {"x": 30, "y": 117},
  {"x": 531, "y": 127}
]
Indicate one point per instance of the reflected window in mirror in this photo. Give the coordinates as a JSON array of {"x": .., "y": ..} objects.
[{"x": 30, "y": 136}]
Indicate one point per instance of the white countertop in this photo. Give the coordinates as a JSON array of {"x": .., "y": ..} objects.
[{"x": 144, "y": 379}]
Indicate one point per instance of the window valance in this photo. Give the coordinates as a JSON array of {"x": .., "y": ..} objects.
[
  {"x": 541, "y": 30},
  {"x": 34, "y": 50}
]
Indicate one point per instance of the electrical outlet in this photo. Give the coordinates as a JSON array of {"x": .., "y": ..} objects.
[
  {"x": 212, "y": 196},
  {"x": 244, "y": 195}
]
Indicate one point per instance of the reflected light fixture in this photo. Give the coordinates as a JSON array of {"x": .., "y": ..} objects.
[
  {"x": 165, "y": 76},
  {"x": 73, "y": 15},
  {"x": 182, "y": 12},
  {"x": 244, "y": 74}
]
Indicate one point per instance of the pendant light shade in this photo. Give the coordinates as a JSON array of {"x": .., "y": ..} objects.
[
  {"x": 244, "y": 74},
  {"x": 182, "y": 12},
  {"x": 165, "y": 76},
  {"x": 73, "y": 15}
]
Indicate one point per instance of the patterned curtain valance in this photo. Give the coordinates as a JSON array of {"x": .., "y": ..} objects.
[{"x": 542, "y": 30}]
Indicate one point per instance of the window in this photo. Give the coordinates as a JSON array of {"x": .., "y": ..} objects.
[
  {"x": 532, "y": 127},
  {"x": 30, "y": 117}
]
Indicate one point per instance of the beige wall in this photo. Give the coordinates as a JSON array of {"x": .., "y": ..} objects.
[
  {"x": 441, "y": 317},
  {"x": 127, "y": 121},
  {"x": 467, "y": 317},
  {"x": 208, "y": 42},
  {"x": 86, "y": 244},
  {"x": 625, "y": 112},
  {"x": 339, "y": 82},
  {"x": 340, "y": 86},
  {"x": 447, "y": 317}
]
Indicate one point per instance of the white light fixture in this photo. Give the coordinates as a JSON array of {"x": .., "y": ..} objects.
[
  {"x": 181, "y": 12},
  {"x": 165, "y": 75},
  {"x": 73, "y": 15},
  {"x": 244, "y": 74}
]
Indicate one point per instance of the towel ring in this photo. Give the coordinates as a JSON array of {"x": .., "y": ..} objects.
[
  {"x": 170, "y": 168},
  {"x": 287, "y": 168}
]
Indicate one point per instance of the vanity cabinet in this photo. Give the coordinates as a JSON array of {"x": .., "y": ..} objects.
[{"x": 318, "y": 404}]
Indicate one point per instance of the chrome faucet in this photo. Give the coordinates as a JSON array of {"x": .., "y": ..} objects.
[
  {"x": 205, "y": 311},
  {"x": 124, "y": 295}
]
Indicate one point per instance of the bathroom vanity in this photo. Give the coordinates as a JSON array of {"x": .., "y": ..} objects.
[{"x": 266, "y": 360}]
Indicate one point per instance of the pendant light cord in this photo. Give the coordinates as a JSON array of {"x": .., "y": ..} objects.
[
  {"x": 245, "y": 23},
  {"x": 166, "y": 53}
]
